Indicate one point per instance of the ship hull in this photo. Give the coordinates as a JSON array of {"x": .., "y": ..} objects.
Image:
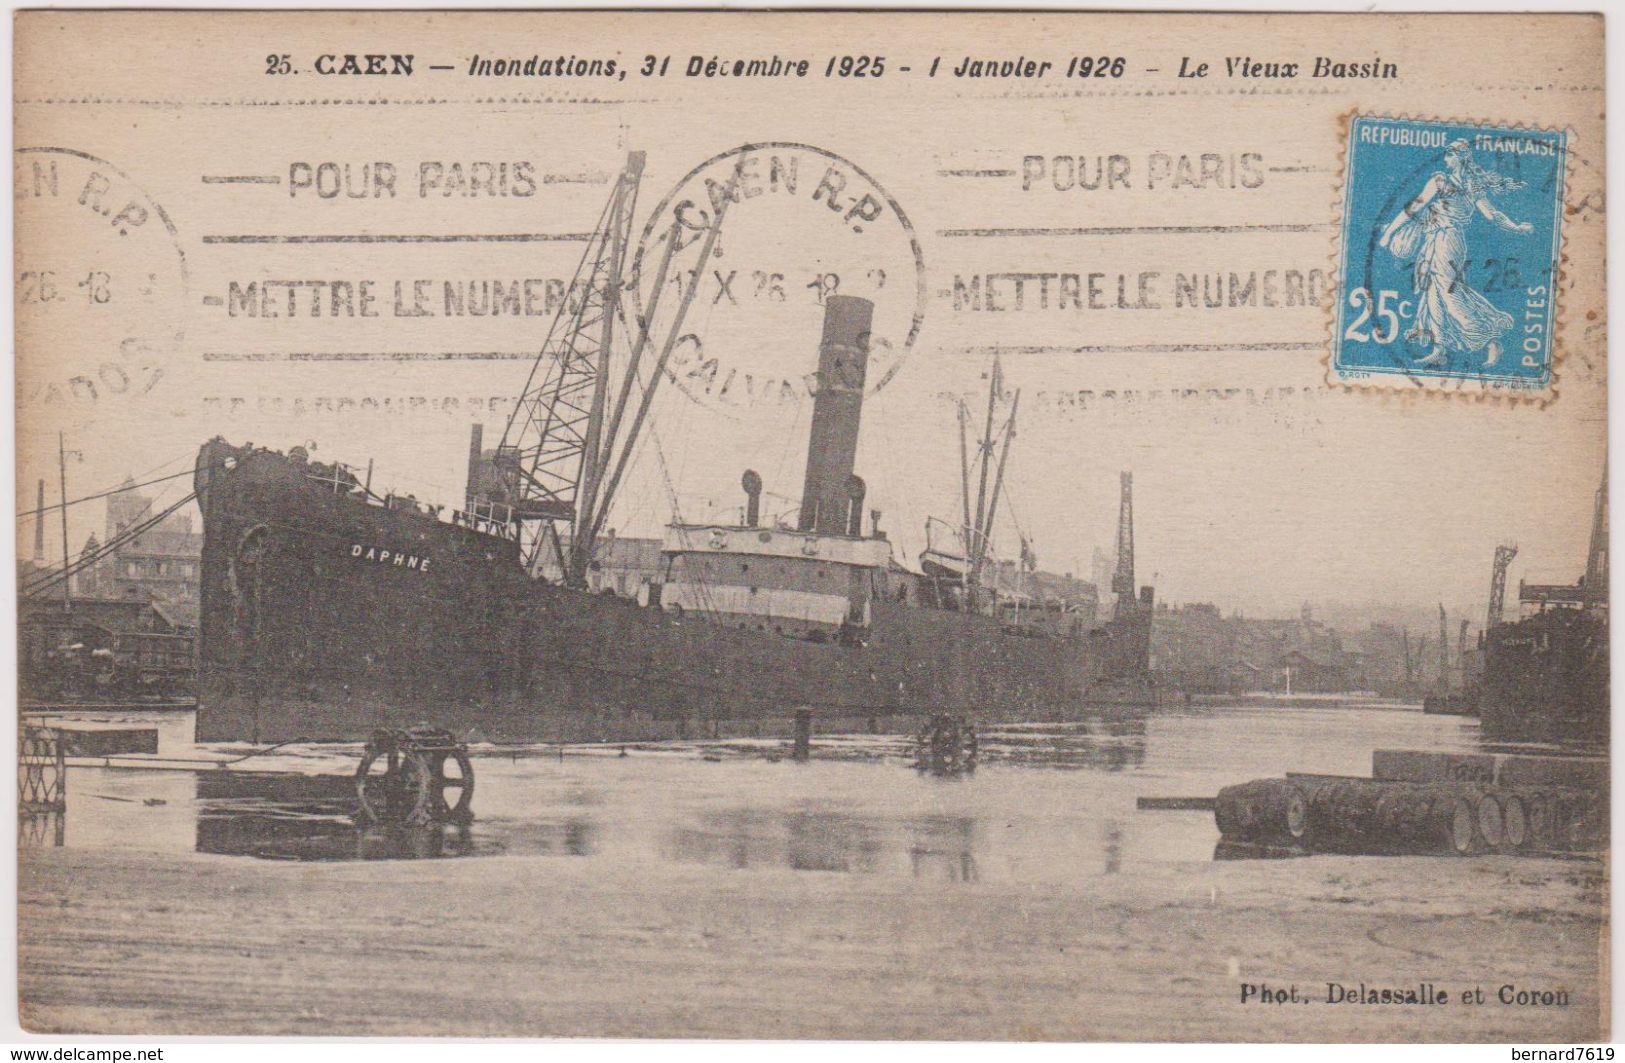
[
  {"x": 1546, "y": 679},
  {"x": 324, "y": 617}
]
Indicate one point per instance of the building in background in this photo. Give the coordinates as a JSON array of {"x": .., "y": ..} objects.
[
  {"x": 1102, "y": 563},
  {"x": 1052, "y": 601},
  {"x": 1198, "y": 650},
  {"x": 160, "y": 565}
]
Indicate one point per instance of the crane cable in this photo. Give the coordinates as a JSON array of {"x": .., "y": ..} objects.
[
  {"x": 54, "y": 577},
  {"x": 120, "y": 536},
  {"x": 39, "y": 578},
  {"x": 104, "y": 494},
  {"x": 702, "y": 585}
]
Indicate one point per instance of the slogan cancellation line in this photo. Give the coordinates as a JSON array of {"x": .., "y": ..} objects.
[
  {"x": 368, "y": 356},
  {"x": 400, "y": 238},
  {"x": 1137, "y": 348},
  {"x": 1142, "y": 230}
]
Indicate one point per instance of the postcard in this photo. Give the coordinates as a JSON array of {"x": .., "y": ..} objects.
[{"x": 973, "y": 526}]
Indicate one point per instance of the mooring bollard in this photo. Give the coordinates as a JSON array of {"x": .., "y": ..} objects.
[{"x": 803, "y": 742}]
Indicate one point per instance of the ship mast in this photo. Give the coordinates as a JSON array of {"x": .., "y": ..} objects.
[
  {"x": 563, "y": 452},
  {"x": 964, "y": 470},
  {"x": 979, "y": 533},
  {"x": 998, "y": 479},
  {"x": 978, "y": 546}
]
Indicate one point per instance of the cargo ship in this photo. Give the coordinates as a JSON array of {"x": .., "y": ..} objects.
[
  {"x": 1546, "y": 674},
  {"x": 329, "y": 610}
]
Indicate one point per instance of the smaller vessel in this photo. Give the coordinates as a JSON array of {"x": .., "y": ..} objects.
[{"x": 1546, "y": 675}]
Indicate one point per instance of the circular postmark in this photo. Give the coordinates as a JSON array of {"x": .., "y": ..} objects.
[
  {"x": 799, "y": 224},
  {"x": 100, "y": 282}
]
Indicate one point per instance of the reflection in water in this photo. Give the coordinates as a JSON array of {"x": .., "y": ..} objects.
[
  {"x": 1114, "y": 846},
  {"x": 728, "y": 838},
  {"x": 943, "y": 847},
  {"x": 306, "y": 817},
  {"x": 1105, "y": 743},
  {"x": 936, "y": 847},
  {"x": 41, "y": 829},
  {"x": 803, "y": 840},
  {"x": 279, "y": 837},
  {"x": 1049, "y": 804},
  {"x": 577, "y": 837},
  {"x": 818, "y": 841},
  {"x": 570, "y": 836}
]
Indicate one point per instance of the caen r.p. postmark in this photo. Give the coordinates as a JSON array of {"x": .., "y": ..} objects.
[
  {"x": 102, "y": 283},
  {"x": 804, "y": 224},
  {"x": 1449, "y": 257}
]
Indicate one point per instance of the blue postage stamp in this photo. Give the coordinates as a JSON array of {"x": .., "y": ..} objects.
[{"x": 1450, "y": 253}]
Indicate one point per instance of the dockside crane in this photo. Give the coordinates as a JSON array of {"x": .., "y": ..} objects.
[
  {"x": 575, "y": 427},
  {"x": 1498, "y": 584},
  {"x": 1123, "y": 578},
  {"x": 1444, "y": 652},
  {"x": 1591, "y": 591},
  {"x": 1596, "y": 577},
  {"x": 1461, "y": 653}
]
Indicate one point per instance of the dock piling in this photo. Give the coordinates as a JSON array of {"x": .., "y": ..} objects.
[{"x": 803, "y": 740}]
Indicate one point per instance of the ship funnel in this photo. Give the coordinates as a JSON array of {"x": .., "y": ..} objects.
[
  {"x": 843, "y": 358},
  {"x": 752, "y": 483}
]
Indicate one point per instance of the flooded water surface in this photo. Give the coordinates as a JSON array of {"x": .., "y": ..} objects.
[
  {"x": 848, "y": 896},
  {"x": 1048, "y": 803}
]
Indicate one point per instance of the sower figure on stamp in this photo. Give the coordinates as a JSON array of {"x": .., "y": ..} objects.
[{"x": 1450, "y": 313}]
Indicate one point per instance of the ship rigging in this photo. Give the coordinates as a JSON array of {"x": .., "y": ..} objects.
[
  {"x": 734, "y": 620},
  {"x": 569, "y": 441}
]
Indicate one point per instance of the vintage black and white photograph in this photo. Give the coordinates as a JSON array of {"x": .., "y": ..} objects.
[{"x": 812, "y": 526}]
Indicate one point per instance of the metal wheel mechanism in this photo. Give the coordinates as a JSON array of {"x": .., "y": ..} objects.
[
  {"x": 451, "y": 788},
  {"x": 373, "y": 787},
  {"x": 392, "y": 786},
  {"x": 403, "y": 778}
]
